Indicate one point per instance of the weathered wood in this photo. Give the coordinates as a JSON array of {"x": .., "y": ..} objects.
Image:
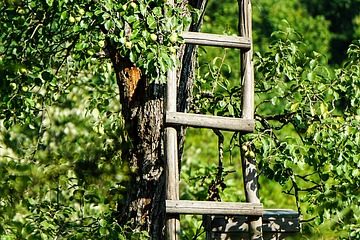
[
  {"x": 172, "y": 189},
  {"x": 274, "y": 220},
  {"x": 244, "y": 124},
  {"x": 213, "y": 208},
  {"x": 206, "y": 121},
  {"x": 245, "y": 236},
  {"x": 209, "y": 39},
  {"x": 250, "y": 178},
  {"x": 247, "y": 68},
  {"x": 277, "y": 224},
  {"x": 247, "y": 72},
  {"x": 172, "y": 227},
  {"x": 172, "y": 171},
  {"x": 172, "y": 181}
]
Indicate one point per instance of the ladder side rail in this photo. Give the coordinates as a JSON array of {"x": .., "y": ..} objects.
[
  {"x": 248, "y": 163},
  {"x": 172, "y": 172},
  {"x": 247, "y": 68},
  {"x": 171, "y": 152}
]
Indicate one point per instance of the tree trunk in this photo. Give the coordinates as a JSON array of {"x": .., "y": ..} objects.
[{"x": 142, "y": 108}]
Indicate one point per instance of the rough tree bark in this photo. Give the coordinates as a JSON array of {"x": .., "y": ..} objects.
[{"x": 142, "y": 108}]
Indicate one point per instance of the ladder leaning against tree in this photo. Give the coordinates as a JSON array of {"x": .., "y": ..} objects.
[{"x": 248, "y": 220}]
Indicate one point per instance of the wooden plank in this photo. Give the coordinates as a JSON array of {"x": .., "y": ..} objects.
[
  {"x": 172, "y": 181},
  {"x": 172, "y": 172},
  {"x": 247, "y": 72},
  {"x": 247, "y": 68},
  {"x": 209, "y": 39},
  {"x": 173, "y": 228},
  {"x": 171, "y": 140},
  {"x": 245, "y": 236},
  {"x": 213, "y": 208},
  {"x": 171, "y": 169},
  {"x": 274, "y": 221},
  {"x": 213, "y": 122}
]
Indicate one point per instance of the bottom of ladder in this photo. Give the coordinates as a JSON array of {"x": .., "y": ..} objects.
[{"x": 277, "y": 224}]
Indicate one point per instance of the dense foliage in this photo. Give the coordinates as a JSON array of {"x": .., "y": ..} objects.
[
  {"x": 305, "y": 112},
  {"x": 61, "y": 172},
  {"x": 319, "y": 164},
  {"x": 61, "y": 128}
]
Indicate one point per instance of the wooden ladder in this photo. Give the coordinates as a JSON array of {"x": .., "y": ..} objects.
[{"x": 253, "y": 208}]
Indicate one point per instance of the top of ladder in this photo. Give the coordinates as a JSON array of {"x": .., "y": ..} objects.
[{"x": 209, "y": 39}]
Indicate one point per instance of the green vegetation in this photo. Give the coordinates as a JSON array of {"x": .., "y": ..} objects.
[
  {"x": 297, "y": 92},
  {"x": 63, "y": 138}
]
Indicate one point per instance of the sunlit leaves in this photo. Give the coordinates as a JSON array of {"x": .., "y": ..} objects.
[
  {"x": 41, "y": 41},
  {"x": 310, "y": 133},
  {"x": 69, "y": 186},
  {"x": 214, "y": 92},
  {"x": 141, "y": 29}
]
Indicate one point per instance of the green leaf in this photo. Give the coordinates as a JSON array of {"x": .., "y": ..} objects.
[
  {"x": 231, "y": 109},
  {"x": 109, "y": 24},
  {"x": 50, "y": 2},
  {"x": 103, "y": 231},
  {"x": 323, "y": 109},
  {"x": 151, "y": 22},
  {"x": 157, "y": 11},
  {"x": 294, "y": 107},
  {"x": 64, "y": 15}
]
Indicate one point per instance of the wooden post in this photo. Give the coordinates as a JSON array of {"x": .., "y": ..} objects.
[
  {"x": 172, "y": 171},
  {"x": 248, "y": 162},
  {"x": 247, "y": 68}
]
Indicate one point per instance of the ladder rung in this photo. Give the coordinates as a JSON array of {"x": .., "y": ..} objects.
[
  {"x": 209, "y": 39},
  {"x": 214, "y": 122},
  {"x": 213, "y": 208}
]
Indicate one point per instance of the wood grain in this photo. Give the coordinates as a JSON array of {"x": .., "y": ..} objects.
[
  {"x": 206, "y": 121},
  {"x": 171, "y": 152},
  {"x": 213, "y": 208},
  {"x": 278, "y": 223},
  {"x": 209, "y": 39}
]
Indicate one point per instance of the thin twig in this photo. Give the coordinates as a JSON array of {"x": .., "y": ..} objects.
[
  {"x": 40, "y": 132},
  {"x": 308, "y": 220},
  {"x": 68, "y": 50}
]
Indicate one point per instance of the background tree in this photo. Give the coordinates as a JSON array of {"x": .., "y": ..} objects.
[{"x": 343, "y": 16}]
